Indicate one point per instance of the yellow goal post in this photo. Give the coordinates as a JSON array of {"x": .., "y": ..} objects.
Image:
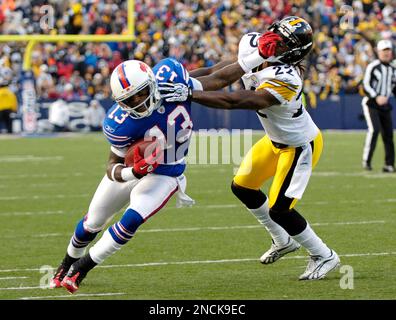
[{"x": 33, "y": 39}]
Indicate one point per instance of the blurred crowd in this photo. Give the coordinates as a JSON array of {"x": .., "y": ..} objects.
[{"x": 197, "y": 33}]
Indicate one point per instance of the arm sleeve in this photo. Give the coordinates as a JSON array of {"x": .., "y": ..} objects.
[{"x": 196, "y": 84}]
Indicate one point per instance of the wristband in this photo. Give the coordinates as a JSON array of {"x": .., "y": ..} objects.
[
  {"x": 113, "y": 171},
  {"x": 127, "y": 174},
  {"x": 251, "y": 61}
]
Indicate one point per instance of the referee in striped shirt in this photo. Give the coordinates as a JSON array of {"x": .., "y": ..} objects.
[{"x": 379, "y": 83}]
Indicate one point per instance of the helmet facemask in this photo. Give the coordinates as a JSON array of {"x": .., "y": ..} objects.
[{"x": 148, "y": 105}]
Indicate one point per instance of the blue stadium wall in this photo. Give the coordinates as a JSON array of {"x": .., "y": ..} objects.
[{"x": 343, "y": 114}]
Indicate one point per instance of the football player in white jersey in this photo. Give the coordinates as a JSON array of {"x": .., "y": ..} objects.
[{"x": 291, "y": 147}]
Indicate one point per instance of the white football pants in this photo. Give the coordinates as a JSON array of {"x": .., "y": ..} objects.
[{"x": 146, "y": 196}]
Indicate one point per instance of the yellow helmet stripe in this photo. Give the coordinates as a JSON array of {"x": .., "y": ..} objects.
[{"x": 292, "y": 23}]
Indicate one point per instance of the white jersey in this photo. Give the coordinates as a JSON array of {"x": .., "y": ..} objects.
[{"x": 288, "y": 122}]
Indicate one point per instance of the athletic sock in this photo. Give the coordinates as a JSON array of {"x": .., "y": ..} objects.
[
  {"x": 278, "y": 234},
  {"x": 310, "y": 241},
  {"x": 104, "y": 248},
  {"x": 116, "y": 236},
  {"x": 80, "y": 240}
]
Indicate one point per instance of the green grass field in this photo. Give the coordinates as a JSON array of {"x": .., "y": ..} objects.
[{"x": 209, "y": 251}]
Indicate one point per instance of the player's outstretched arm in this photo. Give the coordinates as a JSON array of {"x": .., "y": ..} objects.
[
  {"x": 200, "y": 72},
  {"x": 222, "y": 78},
  {"x": 241, "y": 99},
  {"x": 267, "y": 46},
  {"x": 217, "y": 80}
]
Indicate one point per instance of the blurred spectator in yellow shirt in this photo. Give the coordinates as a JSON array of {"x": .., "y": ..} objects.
[{"x": 8, "y": 104}]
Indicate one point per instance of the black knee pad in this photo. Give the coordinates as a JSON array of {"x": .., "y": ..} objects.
[
  {"x": 251, "y": 198},
  {"x": 290, "y": 220}
]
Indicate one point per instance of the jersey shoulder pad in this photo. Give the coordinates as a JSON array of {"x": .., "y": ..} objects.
[
  {"x": 282, "y": 81},
  {"x": 171, "y": 70},
  {"x": 116, "y": 127},
  {"x": 248, "y": 44}
]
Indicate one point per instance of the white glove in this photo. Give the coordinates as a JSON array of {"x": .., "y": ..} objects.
[{"x": 174, "y": 91}]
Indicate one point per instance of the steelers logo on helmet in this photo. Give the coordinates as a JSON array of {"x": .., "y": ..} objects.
[
  {"x": 297, "y": 38},
  {"x": 135, "y": 89}
]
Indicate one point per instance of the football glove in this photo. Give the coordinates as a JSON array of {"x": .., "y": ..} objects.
[
  {"x": 171, "y": 92},
  {"x": 268, "y": 43},
  {"x": 143, "y": 166}
]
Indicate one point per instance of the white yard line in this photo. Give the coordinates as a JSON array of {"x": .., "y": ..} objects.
[
  {"x": 255, "y": 226},
  {"x": 45, "y": 235},
  {"x": 346, "y": 223},
  {"x": 35, "y": 185},
  {"x": 23, "y": 288},
  {"x": 352, "y": 174},
  {"x": 307, "y": 203},
  {"x": 30, "y": 213},
  {"x": 210, "y": 206},
  {"x": 76, "y": 295},
  {"x": 40, "y": 175},
  {"x": 152, "y": 264},
  {"x": 17, "y": 270},
  {"x": 12, "y": 278},
  {"x": 38, "y": 197},
  {"x": 165, "y": 263},
  {"x": 29, "y": 158}
]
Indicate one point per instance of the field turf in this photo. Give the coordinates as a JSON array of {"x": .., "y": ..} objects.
[{"x": 209, "y": 251}]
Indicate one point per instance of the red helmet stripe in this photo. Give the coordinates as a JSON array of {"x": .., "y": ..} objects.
[{"x": 122, "y": 77}]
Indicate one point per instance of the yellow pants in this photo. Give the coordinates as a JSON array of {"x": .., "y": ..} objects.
[{"x": 264, "y": 161}]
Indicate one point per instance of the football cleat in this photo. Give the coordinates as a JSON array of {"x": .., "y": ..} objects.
[
  {"x": 367, "y": 166},
  {"x": 73, "y": 279},
  {"x": 277, "y": 252},
  {"x": 318, "y": 266},
  {"x": 61, "y": 272},
  {"x": 388, "y": 169},
  {"x": 77, "y": 273},
  {"x": 57, "y": 279}
]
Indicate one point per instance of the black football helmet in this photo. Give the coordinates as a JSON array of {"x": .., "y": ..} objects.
[{"x": 297, "y": 37}]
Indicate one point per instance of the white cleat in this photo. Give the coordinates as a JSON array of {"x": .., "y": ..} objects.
[
  {"x": 318, "y": 266},
  {"x": 276, "y": 252}
]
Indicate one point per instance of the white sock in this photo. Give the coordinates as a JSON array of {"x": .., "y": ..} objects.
[
  {"x": 278, "y": 234},
  {"x": 74, "y": 252},
  {"x": 310, "y": 241},
  {"x": 104, "y": 248}
]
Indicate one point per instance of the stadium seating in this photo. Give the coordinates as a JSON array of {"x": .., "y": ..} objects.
[{"x": 199, "y": 33}]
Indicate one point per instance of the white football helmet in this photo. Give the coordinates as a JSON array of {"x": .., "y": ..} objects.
[{"x": 127, "y": 79}]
